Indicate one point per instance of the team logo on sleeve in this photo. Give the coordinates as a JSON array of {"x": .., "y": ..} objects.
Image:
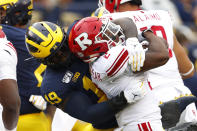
[{"x": 67, "y": 77}]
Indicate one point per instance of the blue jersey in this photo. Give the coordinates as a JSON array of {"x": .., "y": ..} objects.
[
  {"x": 29, "y": 72},
  {"x": 58, "y": 84}
]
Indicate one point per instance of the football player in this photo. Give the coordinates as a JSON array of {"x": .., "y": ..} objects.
[
  {"x": 101, "y": 43},
  {"x": 58, "y": 83},
  {"x": 66, "y": 82},
  {"x": 166, "y": 80},
  {"x": 9, "y": 96},
  {"x": 15, "y": 16}
]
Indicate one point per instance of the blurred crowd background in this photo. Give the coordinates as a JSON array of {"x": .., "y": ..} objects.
[
  {"x": 184, "y": 12},
  {"x": 63, "y": 12}
]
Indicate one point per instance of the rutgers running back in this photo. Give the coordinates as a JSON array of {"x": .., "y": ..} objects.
[
  {"x": 113, "y": 71},
  {"x": 115, "y": 76},
  {"x": 166, "y": 80},
  {"x": 160, "y": 22}
]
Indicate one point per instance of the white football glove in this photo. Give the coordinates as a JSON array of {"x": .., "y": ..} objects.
[
  {"x": 145, "y": 43},
  {"x": 136, "y": 54},
  {"x": 136, "y": 92},
  {"x": 38, "y": 101},
  {"x": 141, "y": 35}
]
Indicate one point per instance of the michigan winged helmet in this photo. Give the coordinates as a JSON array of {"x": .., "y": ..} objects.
[{"x": 47, "y": 42}]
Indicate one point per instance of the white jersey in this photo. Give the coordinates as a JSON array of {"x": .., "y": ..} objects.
[
  {"x": 166, "y": 80},
  {"x": 8, "y": 62},
  {"x": 112, "y": 74},
  {"x": 160, "y": 22},
  {"x": 8, "y": 58}
]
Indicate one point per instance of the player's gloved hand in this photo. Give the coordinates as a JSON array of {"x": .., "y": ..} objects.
[
  {"x": 136, "y": 54},
  {"x": 171, "y": 110},
  {"x": 136, "y": 92},
  {"x": 38, "y": 101},
  {"x": 128, "y": 96},
  {"x": 141, "y": 36},
  {"x": 144, "y": 43}
]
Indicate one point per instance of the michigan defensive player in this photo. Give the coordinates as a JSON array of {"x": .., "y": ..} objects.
[
  {"x": 15, "y": 15},
  {"x": 66, "y": 82},
  {"x": 112, "y": 63}
]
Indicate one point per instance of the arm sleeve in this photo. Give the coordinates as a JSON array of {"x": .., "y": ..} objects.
[{"x": 80, "y": 106}]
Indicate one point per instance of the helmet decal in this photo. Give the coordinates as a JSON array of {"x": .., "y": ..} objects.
[
  {"x": 91, "y": 37},
  {"x": 83, "y": 40}
]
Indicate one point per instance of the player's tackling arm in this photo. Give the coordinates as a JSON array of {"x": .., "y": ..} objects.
[
  {"x": 80, "y": 106},
  {"x": 185, "y": 66}
]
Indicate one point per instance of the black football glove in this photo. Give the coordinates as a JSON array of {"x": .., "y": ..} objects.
[{"x": 171, "y": 110}]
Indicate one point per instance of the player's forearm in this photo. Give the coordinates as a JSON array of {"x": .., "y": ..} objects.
[
  {"x": 10, "y": 100},
  {"x": 157, "y": 54},
  {"x": 187, "y": 69},
  {"x": 10, "y": 116},
  {"x": 80, "y": 106},
  {"x": 107, "y": 124},
  {"x": 50, "y": 111}
]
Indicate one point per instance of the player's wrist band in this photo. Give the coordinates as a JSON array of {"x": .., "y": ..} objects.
[{"x": 190, "y": 71}]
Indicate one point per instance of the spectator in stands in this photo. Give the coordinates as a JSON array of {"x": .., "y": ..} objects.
[{"x": 186, "y": 9}]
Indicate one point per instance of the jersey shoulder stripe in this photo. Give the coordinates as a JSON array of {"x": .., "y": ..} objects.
[{"x": 118, "y": 63}]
